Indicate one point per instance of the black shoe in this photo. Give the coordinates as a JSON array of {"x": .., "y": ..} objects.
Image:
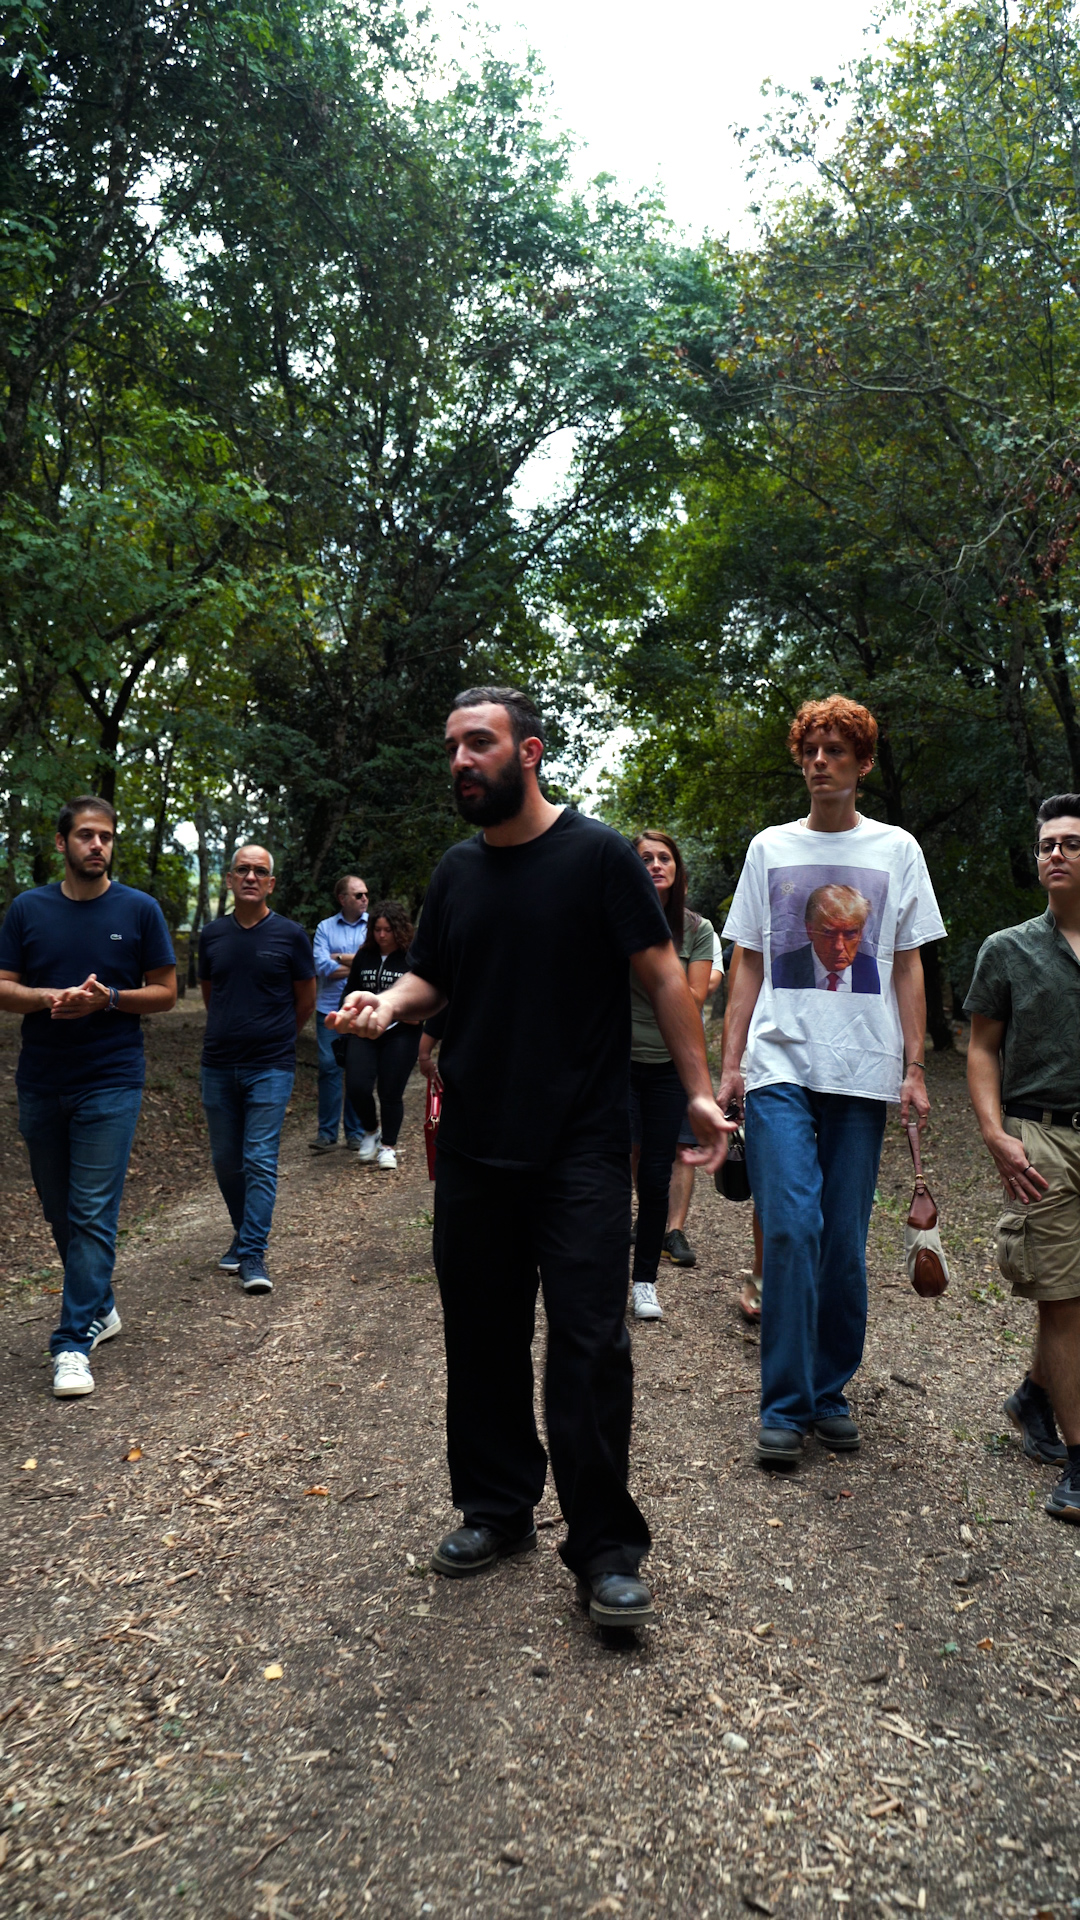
[
  {"x": 779, "y": 1446},
  {"x": 322, "y": 1144},
  {"x": 839, "y": 1433},
  {"x": 469, "y": 1549},
  {"x": 1029, "y": 1410},
  {"x": 676, "y": 1248},
  {"x": 254, "y": 1277},
  {"x": 1063, "y": 1501},
  {"x": 616, "y": 1599}
]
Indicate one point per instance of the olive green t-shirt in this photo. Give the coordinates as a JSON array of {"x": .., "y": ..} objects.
[
  {"x": 1029, "y": 977},
  {"x": 646, "y": 1040}
]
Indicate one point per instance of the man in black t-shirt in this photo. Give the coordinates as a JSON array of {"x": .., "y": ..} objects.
[
  {"x": 257, "y": 974},
  {"x": 526, "y": 933}
]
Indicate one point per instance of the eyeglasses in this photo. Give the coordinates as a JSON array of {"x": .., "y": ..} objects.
[
  {"x": 261, "y": 873},
  {"x": 1068, "y": 842}
]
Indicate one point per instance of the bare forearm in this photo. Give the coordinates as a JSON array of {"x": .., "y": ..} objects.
[
  {"x": 679, "y": 1020},
  {"x": 15, "y": 998},
  {"x": 911, "y": 1002},
  {"x": 413, "y": 999},
  {"x": 984, "y": 1087},
  {"x": 743, "y": 999},
  {"x": 141, "y": 1000}
]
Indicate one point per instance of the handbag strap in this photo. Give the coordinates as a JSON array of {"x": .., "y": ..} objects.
[{"x": 913, "y": 1143}]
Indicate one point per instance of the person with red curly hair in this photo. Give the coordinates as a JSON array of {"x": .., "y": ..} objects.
[{"x": 829, "y": 1005}]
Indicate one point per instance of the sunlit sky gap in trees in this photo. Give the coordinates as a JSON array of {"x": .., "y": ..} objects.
[{"x": 654, "y": 96}]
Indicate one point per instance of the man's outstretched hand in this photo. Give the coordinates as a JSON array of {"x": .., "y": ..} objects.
[
  {"x": 364, "y": 1014},
  {"x": 713, "y": 1133}
]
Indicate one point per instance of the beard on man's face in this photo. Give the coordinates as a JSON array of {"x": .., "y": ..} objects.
[
  {"x": 499, "y": 799},
  {"x": 93, "y": 864}
]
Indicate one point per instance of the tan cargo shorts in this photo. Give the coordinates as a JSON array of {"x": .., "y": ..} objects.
[{"x": 1038, "y": 1246}]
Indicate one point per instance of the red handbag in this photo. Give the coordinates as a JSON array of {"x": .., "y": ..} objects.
[{"x": 432, "y": 1114}]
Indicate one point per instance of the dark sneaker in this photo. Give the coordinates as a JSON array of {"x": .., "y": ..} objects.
[
  {"x": 677, "y": 1249},
  {"x": 254, "y": 1277},
  {"x": 230, "y": 1262},
  {"x": 779, "y": 1446},
  {"x": 471, "y": 1549},
  {"x": 1030, "y": 1412},
  {"x": 838, "y": 1432},
  {"x": 1063, "y": 1501},
  {"x": 322, "y": 1145},
  {"x": 616, "y": 1599}
]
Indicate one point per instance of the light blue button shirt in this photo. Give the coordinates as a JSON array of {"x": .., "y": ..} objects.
[{"x": 336, "y": 935}]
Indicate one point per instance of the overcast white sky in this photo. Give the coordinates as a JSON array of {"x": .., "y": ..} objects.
[{"x": 655, "y": 92}]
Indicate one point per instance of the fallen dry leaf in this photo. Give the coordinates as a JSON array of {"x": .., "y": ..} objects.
[
  {"x": 323, "y": 1490},
  {"x": 985, "y": 1646},
  {"x": 29, "y": 1465},
  {"x": 133, "y": 1453},
  {"x": 275, "y": 1671}
]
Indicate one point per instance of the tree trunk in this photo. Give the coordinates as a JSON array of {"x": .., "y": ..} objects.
[
  {"x": 202, "y": 900},
  {"x": 938, "y": 1023}
]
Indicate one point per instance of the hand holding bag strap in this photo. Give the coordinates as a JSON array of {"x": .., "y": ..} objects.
[{"x": 922, "y": 1213}]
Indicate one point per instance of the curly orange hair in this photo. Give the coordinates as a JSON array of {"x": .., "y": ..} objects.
[{"x": 856, "y": 724}]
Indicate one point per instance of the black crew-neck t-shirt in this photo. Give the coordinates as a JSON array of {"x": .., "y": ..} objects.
[
  {"x": 251, "y": 1019},
  {"x": 530, "y": 945}
]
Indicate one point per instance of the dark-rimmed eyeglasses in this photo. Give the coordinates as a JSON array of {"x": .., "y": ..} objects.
[
  {"x": 261, "y": 873},
  {"x": 1068, "y": 842}
]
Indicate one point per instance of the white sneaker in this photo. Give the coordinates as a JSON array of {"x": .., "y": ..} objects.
[
  {"x": 105, "y": 1327},
  {"x": 387, "y": 1157},
  {"x": 71, "y": 1375},
  {"x": 369, "y": 1146},
  {"x": 646, "y": 1304}
]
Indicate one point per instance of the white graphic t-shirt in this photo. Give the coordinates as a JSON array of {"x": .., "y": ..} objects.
[{"x": 828, "y": 911}]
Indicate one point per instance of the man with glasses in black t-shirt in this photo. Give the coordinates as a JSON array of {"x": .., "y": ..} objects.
[
  {"x": 1024, "y": 1057},
  {"x": 525, "y": 936}
]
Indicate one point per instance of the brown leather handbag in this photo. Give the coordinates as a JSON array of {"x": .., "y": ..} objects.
[{"x": 927, "y": 1267}]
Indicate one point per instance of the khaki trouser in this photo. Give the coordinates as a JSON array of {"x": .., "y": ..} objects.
[{"x": 1039, "y": 1245}]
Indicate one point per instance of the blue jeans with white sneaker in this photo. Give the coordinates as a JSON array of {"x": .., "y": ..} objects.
[
  {"x": 245, "y": 1112},
  {"x": 813, "y": 1162},
  {"x": 79, "y": 1145}
]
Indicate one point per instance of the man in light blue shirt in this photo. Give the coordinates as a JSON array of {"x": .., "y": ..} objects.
[{"x": 336, "y": 941}]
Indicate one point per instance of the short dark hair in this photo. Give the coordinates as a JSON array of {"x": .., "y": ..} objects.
[
  {"x": 83, "y": 803},
  {"x": 1057, "y": 805},
  {"x": 525, "y": 721}
]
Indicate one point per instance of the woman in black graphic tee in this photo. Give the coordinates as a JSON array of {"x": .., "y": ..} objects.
[{"x": 388, "y": 1061}]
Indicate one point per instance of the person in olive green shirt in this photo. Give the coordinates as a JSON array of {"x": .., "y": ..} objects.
[
  {"x": 1024, "y": 1080},
  {"x": 657, "y": 1099}
]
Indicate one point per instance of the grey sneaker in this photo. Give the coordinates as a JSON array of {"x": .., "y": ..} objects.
[
  {"x": 1030, "y": 1412},
  {"x": 105, "y": 1327},
  {"x": 321, "y": 1144},
  {"x": 254, "y": 1277},
  {"x": 368, "y": 1147},
  {"x": 1062, "y": 1502}
]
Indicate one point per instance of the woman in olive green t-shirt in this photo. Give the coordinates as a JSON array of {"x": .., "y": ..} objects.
[{"x": 657, "y": 1096}]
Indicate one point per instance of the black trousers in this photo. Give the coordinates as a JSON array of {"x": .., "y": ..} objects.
[
  {"x": 564, "y": 1227},
  {"x": 388, "y": 1061},
  {"x": 657, "y": 1109}
]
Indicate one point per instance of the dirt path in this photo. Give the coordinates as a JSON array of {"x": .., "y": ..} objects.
[{"x": 256, "y": 1486}]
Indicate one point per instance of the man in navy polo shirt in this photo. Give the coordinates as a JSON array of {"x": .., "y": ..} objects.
[
  {"x": 81, "y": 1068},
  {"x": 258, "y": 981}
]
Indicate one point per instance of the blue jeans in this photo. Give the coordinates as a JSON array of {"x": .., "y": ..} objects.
[
  {"x": 813, "y": 1162},
  {"x": 79, "y": 1146},
  {"x": 245, "y": 1112},
  {"x": 331, "y": 1077}
]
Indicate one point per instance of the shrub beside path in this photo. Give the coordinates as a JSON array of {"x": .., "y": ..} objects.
[{"x": 230, "y": 1684}]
